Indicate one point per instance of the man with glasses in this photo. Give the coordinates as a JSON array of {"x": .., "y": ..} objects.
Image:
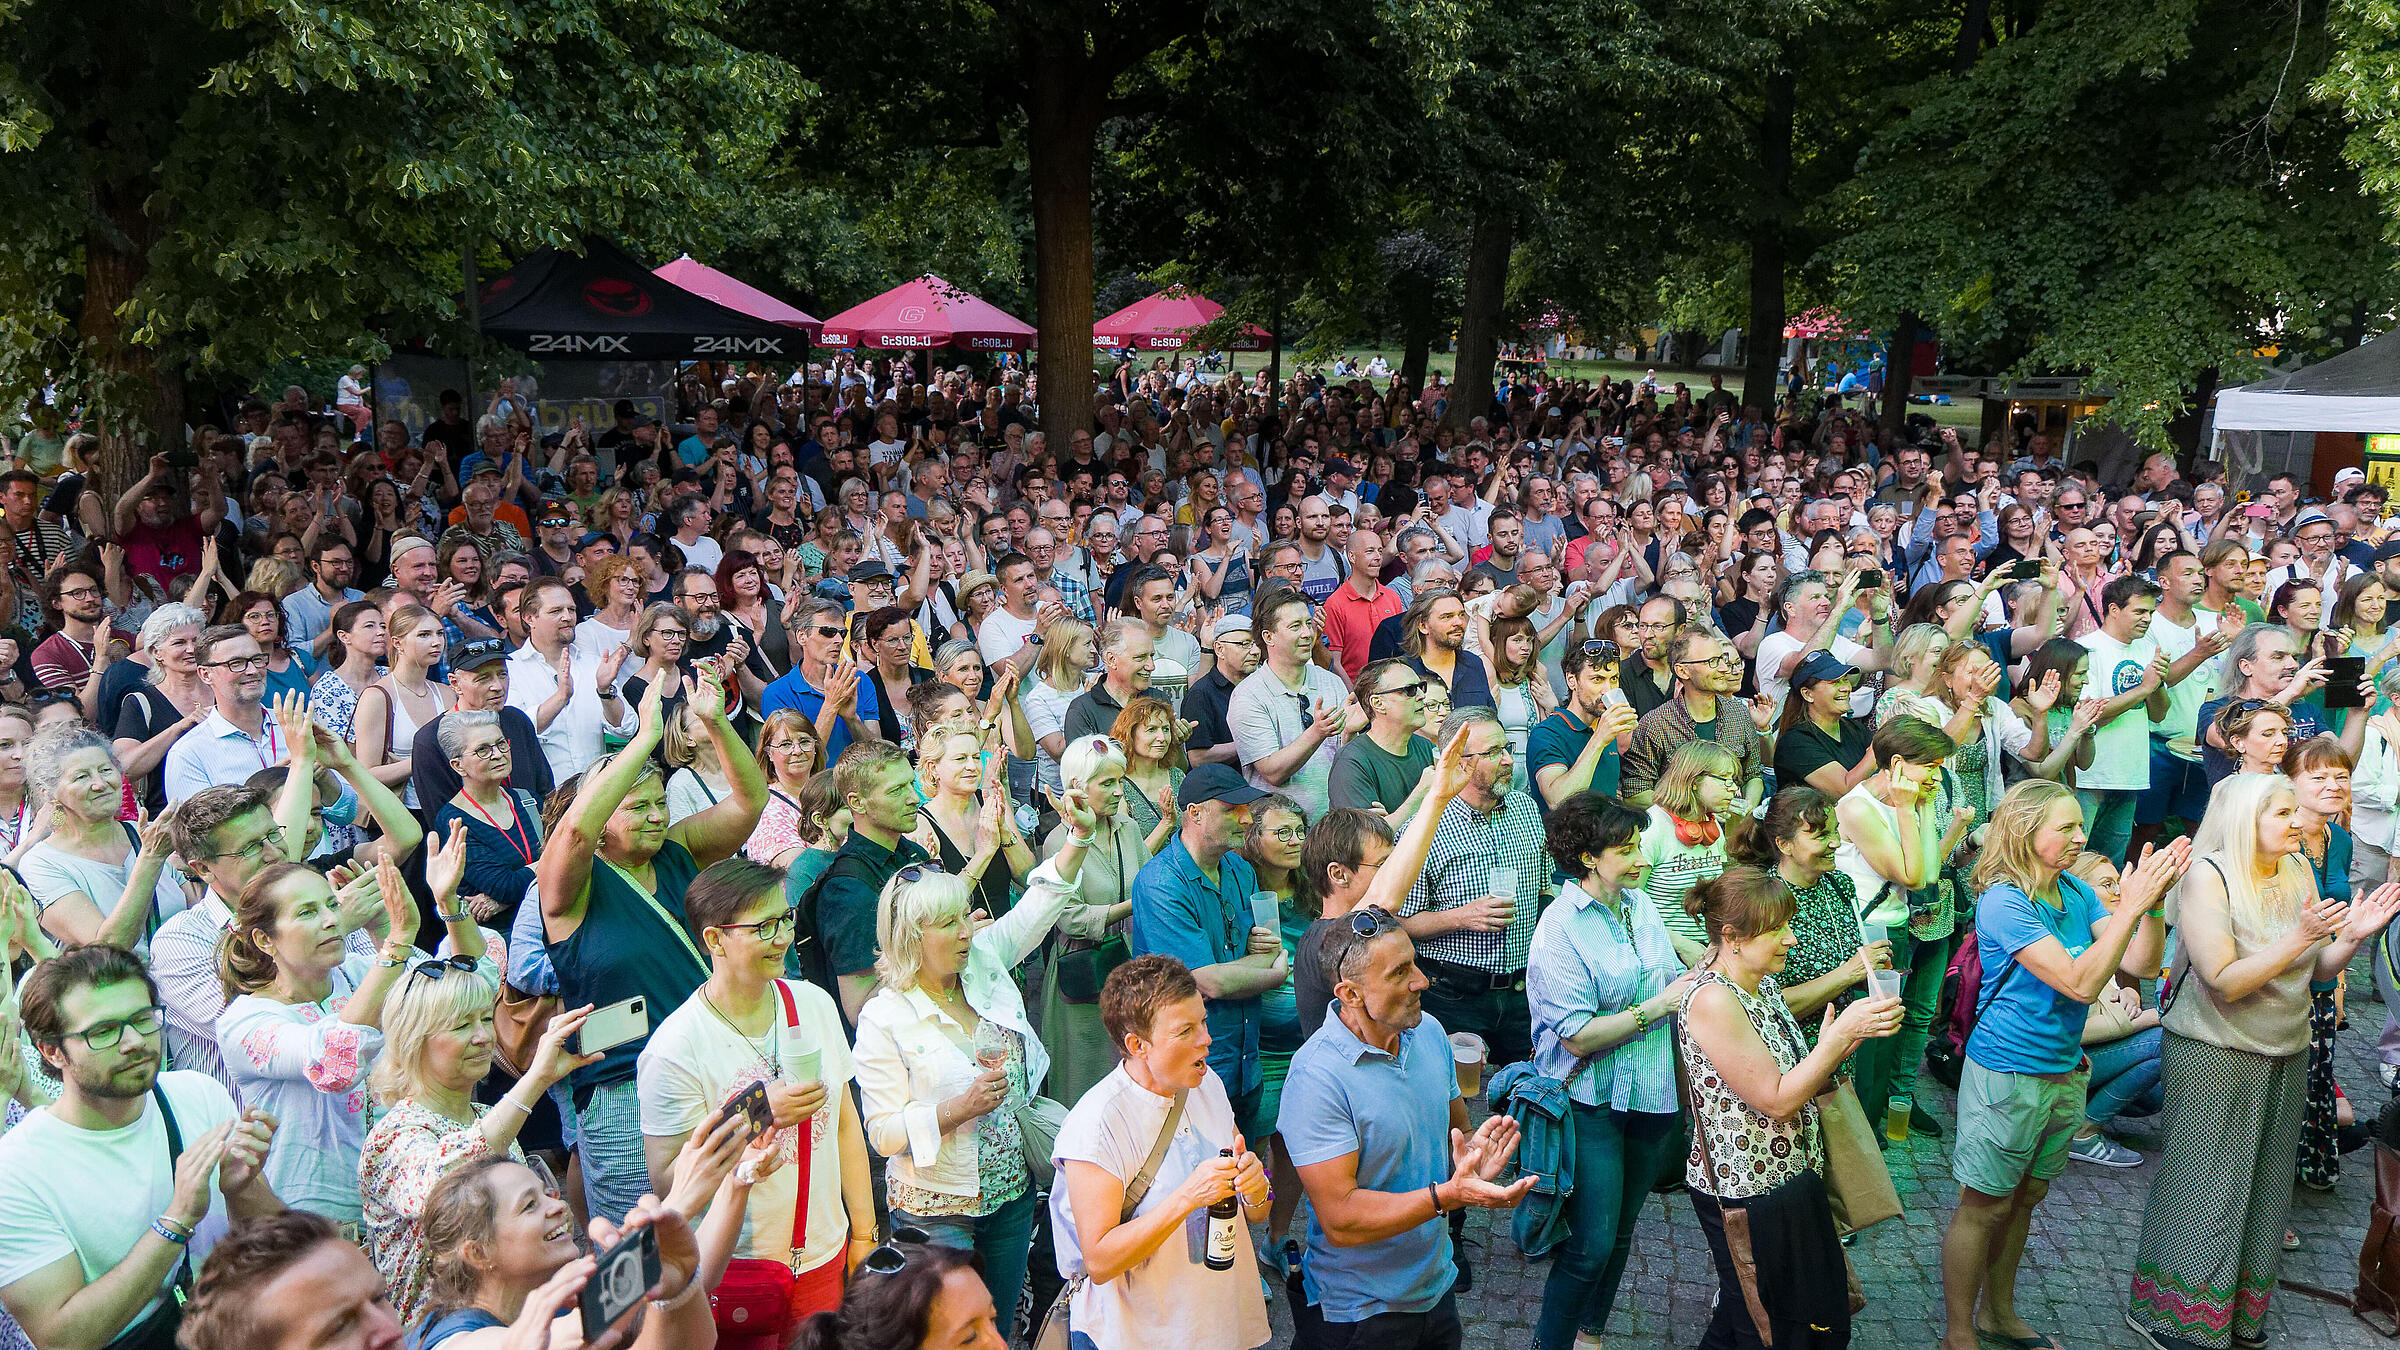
[
  {"x": 1233, "y": 655},
  {"x": 2318, "y": 562},
  {"x": 1383, "y": 769},
  {"x": 821, "y": 675},
  {"x": 228, "y": 835},
  {"x": 478, "y": 684},
  {"x": 1705, "y": 708},
  {"x": 1191, "y": 901},
  {"x": 1650, "y": 676},
  {"x": 2263, "y": 665},
  {"x": 99, "y": 1218},
  {"x": 237, "y": 738},
  {"x": 1148, "y": 537},
  {"x": 309, "y": 611},
  {"x": 1287, "y": 716},
  {"x": 74, "y": 656}
]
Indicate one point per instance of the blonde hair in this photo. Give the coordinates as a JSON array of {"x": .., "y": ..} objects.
[
  {"x": 1916, "y": 640},
  {"x": 2008, "y": 857},
  {"x": 415, "y": 1013},
  {"x": 2228, "y": 834},
  {"x": 903, "y": 913},
  {"x": 1058, "y": 650},
  {"x": 1678, "y": 789}
]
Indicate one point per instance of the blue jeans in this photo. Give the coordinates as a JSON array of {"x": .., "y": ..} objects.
[
  {"x": 2108, "y": 820},
  {"x": 1002, "y": 1238},
  {"x": 1618, "y": 1154},
  {"x": 2125, "y": 1077},
  {"x": 608, "y": 1141}
]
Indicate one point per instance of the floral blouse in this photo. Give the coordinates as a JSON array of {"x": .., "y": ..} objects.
[
  {"x": 777, "y": 831},
  {"x": 1750, "y": 1153},
  {"x": 332, "y": 703},
  {"x": 406, "y": 1153},
  {"x": 1824, "y": 935},
  {"x": 999, "y": 1157}
]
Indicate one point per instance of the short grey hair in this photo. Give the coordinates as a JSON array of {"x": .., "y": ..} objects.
[
  {"x": 812, "y": 608},
  {"x": 1119, "y": 632},
  {"x": 1465, "y": 716},
  {"x": 46, "y": 757},
  {"x": 165, "y": 619},
  {"x": 452, "y": 729},
  {"x": 1790, "y": 586},
  {"x": 1403, "y": 540},
  {"x": 1429, "y": 571}
]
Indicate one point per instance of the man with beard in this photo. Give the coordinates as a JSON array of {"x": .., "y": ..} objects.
[
  {"x": 873, "y": 780},
  {"x": 1433, "y": 635},
  {"x": 1704, "y": 709},
  {"x": 160, "y": 538},
  {"x": 713, "y": 635},
  {"x": 103, "y": 1192},
  {"x": 1321, "y": 565},
  {"x": 75, "y": 655},
  {"x": 1373, "y": 1119},
  {"x": 1382, "y": 769},
  {"x": 1648, "y": 677},
  {"x": 332, "y": 566}
]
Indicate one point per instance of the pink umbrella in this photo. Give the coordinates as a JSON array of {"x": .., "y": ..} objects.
[
  {"x": 927, "y": 313},
  {"x": 703, "y": 280},
  {"x": 1166, "y": 321}
]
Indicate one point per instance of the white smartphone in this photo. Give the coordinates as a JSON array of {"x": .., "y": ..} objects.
[{"x": 612, "y": 1026}]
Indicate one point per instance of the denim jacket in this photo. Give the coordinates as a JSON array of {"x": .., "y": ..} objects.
[{"x": 1545, "y": 1150}]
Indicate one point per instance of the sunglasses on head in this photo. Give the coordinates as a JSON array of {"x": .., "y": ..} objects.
[
  {"x": 439, "y": 966},
  {"x": 916, "y": 872},
  {"x": 890, "y": 1258}
]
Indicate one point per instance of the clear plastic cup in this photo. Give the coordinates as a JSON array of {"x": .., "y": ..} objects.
[
  {"x": 1504, "y": 883},
  {"x": 1883, "y": 983}
]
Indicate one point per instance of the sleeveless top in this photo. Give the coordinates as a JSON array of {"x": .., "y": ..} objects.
[
  {"x": 1751, "y": 1153},
  {"x": 404, "y": 728},
  {"x": 625, "y": 947},
  {"x": 2272, "y": 1021},
  {"x": 457, "y": 1322},
  {"x": 1879, "y": 901}
]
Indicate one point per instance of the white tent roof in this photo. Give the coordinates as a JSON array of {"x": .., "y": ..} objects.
[{"x": 2358, "y": 390}]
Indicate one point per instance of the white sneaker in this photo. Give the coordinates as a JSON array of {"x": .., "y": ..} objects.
[{"x": 2103, "y": 1151}]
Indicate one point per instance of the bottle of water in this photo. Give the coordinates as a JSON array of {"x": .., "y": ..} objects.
[{"x": 1224, "y": 1226}]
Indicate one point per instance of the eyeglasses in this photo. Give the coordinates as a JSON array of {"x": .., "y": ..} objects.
[
  {"x": 252, "y": 851},
  {"x": 889, "y": 1258},
  {"x": 435, "y": 968},
  {"x": 769, "y": 930},
  {"x": 1369, "y": 920},
  {"x": 1307, "y": 718},
  {"x": 1726, "y": 660},
  {"x": 102, "y": 1035},
  {"x": 79, "y": 593},
  {"x": 241, "y": 665},
  {"x": 1600, "y": 647},
  {"x": 495, "y": 752}
]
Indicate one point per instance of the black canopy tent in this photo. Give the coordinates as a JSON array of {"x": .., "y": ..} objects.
[{"x": 604, "y": 304}]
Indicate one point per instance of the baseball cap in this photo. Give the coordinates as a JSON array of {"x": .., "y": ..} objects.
[
  {"x": 1341, "y": 466},
  {"x": 2388, "y": 551},
  {"x": 870, "y": 570},
  {"x": 1233, "y": 623},
  {"x": 555, "y": 512},
  {"x": 483, "y": 468},
  {"x": 2350, "y": 475},
  {"x": 624, "y": 408},
  {"x": 589, "y": 538},
  {"x": 1823, "y": 666},
  {"x": 1215, "y": 783},
  {"x": 478, "y": 652},
  {"x": 409, "y": 541}
]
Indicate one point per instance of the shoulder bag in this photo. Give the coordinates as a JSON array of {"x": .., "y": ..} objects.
[
  {"x": 1056, "y": 1333},
  {"x": 157, "y": 1331},
  {"x": 758, "y": 1297},
  {"x": 1736, "y": 1218}
]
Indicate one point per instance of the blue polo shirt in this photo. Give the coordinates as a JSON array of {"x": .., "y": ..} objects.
[
  {"x": 1557, "y": 741},
  {"x": 1343, "y": 1096},
  {"x": 1178, "y": 912},
  {"x": 794, "y": 691},
  {"x": 2026, "y": 1026}
]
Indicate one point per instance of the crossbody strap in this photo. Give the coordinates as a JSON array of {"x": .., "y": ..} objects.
[
  {"x": 808, "y": 1129},
  {"x": 166, "y": 1114},
  {"x": 674, "y": 925},
  {"x": 1139, "y": 1186},
  {"x": 1691, "y": 1107}
]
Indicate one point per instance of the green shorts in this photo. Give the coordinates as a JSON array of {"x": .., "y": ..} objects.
[{"x": 2012, "y": 1126}]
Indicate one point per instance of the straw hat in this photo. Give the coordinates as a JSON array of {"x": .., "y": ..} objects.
[{"x": 973, "y": 582}]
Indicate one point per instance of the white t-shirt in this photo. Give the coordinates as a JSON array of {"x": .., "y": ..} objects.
[
  {"x": 52, "y": 875},
  {"x": 694, "y": 1063},
  {"x": 1173, "y": 1299},
  {"x": 2183, "y": 700},
  {"x": 1000, "y": 637},
  {"x": 885, "y": 452},
  {"x": 2120, "y": 747},
  {"x": 702, "y": 552},
  {"x": 52, "y": 1174},
  {"x": 1774, "y": 648},
  {"x": 1046, "y": 715}
]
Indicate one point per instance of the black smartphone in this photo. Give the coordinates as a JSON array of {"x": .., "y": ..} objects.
[
  {"x": 626, "y": 1273},
  {"x": 1871, "y": 577},
  {"x": 752, "y": 1102},
  {"x": 2343, "y": 675},
  {"x": 2025, "y": 569}
]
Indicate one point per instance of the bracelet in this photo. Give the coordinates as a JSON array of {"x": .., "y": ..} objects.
[
  {"x": 165, "y": 1228},
  {"x": 510, "y": 1099},
  {"x": 869, "y": 1238},
  {"x": 1435, "y": 1196},
  {"x": 2158, "y": 912},
  {"x": 1641, "y": 1021},
  {"x": 388, "y": 961},
  {"x": 449, "y": 918},
  {"x": 1084, "y": 841}
]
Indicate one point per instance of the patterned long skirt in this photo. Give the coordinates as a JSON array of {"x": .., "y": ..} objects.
[
  {"x": 2212, "y": 1236},
  {"x": 2320, "y": 1155}
]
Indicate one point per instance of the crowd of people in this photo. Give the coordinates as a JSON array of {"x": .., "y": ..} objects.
[{"x": 922, "y": 885}]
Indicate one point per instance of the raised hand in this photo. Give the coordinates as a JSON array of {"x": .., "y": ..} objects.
[
  {"x": 2043, "y": 696},
  {"x": 611, "y": 662},
  {"x": 158, "y": 832},
  {"x": 706, "y": 1157},
  {"x": 290, "y": 711},
  {"x": 1076, "y": 808},
  {"x": 1476, "y": 1160},
  {"x": 446, "y": 866},
  {"x": 246, "y": 1146},
  {"x": 2369, "y": 916},
  {"x": 398, "y": 905},
  {"x": 2154, "y": 871},
  {"x": 2087, "y": 713},
  {"x": 841, "y": 687},
  {"x": 654, "y": 717}
]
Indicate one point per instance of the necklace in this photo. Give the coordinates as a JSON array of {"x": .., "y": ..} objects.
[{"x": 757, "y": 1044}]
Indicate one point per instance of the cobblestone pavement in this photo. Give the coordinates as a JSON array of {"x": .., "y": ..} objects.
[{"x": 2077, "y": 1260}]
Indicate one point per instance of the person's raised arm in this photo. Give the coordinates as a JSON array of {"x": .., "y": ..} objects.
[
  {"x": 401, "y": 830},
  {"x": 564, "y": 871},
  {"x": 713, "y": 834},
  {"x": 128, "y": 514}
]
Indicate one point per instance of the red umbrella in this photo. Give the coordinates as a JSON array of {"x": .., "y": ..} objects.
[
  {"x": 1166, "y": 322},
  {"x": 703, "y": 280},
  {"x": 925, "y": 313}
]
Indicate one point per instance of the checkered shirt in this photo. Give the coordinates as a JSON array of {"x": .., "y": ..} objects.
[{"x": 1467, "y": 844}]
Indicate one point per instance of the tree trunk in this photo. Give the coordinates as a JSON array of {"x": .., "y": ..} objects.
[
  {"x": 1899, "y": 371},
  {"x": 1972, "y": 25},
  {"x": 140, "y": 402},
  {"x": 1061, "y": 124},
  {"x": 1416, "y": 334},
  {"x": 1275, "y": 361},
  {"x": 2185, "y": 429},
  {"x": 1767, "y": 245},
  {"x": 1479, "y": 324}
]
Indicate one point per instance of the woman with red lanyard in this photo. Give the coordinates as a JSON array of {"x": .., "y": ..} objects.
[
  {"x": 809, "y": 1215},
  {"x": 2086, "y": 575},
  {"x": 503, "y": 824},
  {"x": 787, "y": 746}
]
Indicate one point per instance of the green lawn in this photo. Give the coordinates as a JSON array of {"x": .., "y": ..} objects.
[{"x": 1444, "y": 364}]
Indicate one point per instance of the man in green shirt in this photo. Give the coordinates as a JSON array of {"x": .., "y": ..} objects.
[
  {"x": 1384, "y": 770},
  {"x": 1575, "y": 748}
]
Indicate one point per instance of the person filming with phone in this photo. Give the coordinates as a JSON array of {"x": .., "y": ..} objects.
[{"x": 814, "y": 1216}]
